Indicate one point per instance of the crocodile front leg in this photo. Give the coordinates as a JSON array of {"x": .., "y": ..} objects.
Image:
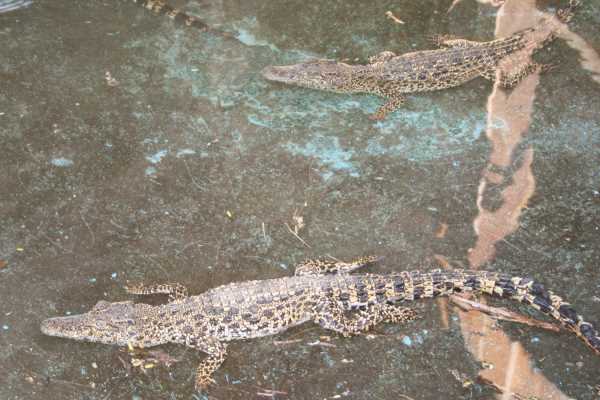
[
  {"x": 176, "y": 291},
  {"x": 315, "y": 267},
  {"x": 333, "y": 317},
  {"x": 216, "y": 351}
]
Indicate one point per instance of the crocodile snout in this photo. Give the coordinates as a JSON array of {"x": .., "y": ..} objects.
[
  {"x": 58, "y": 326},
  {"x": 45, "y": 326},
  {"x": 278, "y": 73}
]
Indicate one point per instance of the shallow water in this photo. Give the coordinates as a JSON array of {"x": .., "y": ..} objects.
[{"x": 135, "y": 149}]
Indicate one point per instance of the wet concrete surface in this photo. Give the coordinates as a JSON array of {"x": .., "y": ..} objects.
[{"x": 134, "y": 149}]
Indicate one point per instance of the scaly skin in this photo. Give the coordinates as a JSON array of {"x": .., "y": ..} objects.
[
  {"x": 458, "y": 61},
  {"x": 161, "y": 7},
  {"x": 322, "y": 292}
]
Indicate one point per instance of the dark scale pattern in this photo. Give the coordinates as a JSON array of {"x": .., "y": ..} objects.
[
  {"x": 161, "y": 7},
  {"x": 346, "y": 303},
  {"x": 543, "y": 304},
  {"x": 506, "y": 287},
  {"x": 457, "y": 61},
  {"x": 568, "y": 314}
]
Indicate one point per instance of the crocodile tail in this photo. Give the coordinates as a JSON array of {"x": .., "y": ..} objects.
[
  {"x": 161, "y": 7},
  {"x": 530, "y": 292},
  {"x": 408, "y": 286},
  {"x": 533, "y": 293},
  {"x": 565, "y": 14},
  {"x": 537, "y": 36}
]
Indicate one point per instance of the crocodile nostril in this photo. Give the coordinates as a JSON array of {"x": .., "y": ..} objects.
[{"x": 45, "y": 326}]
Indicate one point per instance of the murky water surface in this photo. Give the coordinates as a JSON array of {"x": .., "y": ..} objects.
[{"x": 136, "y": 149}]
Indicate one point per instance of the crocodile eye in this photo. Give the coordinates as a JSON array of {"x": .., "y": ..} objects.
[{"x": 100, "y": 324}]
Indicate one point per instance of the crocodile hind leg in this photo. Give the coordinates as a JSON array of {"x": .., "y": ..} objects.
[
  {"x": 176, "y": 291},
  {"x": 514, "y": 76},
  {"x": 216, "y": 355},
  {"x": 394, "y": 102},
  {"x": 334, "y": 318},
  {"x": 315, "y": 267}
]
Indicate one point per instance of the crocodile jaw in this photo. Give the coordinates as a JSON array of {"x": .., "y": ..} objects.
[
  {"x": 284, "y": 73},
  {"x": 108, "y": 323},
  {"x": 76, "y": 327}
]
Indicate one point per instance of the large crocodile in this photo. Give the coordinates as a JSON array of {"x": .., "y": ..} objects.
[
  {"x": 456, "y": 62},
  {"x": 321, "y": 291}
]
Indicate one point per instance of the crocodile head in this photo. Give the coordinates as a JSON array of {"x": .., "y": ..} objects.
[
  {"x": 315, "y": 74},
  {"x": 109, "y": 323}
]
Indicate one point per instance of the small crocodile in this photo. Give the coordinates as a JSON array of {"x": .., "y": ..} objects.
[
  {"x": 457, "y": 61},
  {"x": 161, "y": 7},
  {"x": 321, "y": 291}
]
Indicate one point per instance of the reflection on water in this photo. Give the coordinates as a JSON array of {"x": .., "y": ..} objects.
[
  {"x": 509, "y": 118},
  {"x": 495, "y": 3},
  {"x": 510, "y": 364},
  {"x": 589, "y": 58}
]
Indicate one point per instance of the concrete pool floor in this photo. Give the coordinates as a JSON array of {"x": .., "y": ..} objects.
[{"x": 133, "y": 149}]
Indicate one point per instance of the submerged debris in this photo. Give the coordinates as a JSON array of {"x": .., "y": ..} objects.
[
  {"x": 502, "y": 313},
  {"x": 110, "y": 81},
  {"x": 148, "y": 359},
  {"x": 270, "y": 393},
  {"x": 511, "y": 395},
  {"x": 464, "y": 380},
  {"x": 298, "y": 225},
  {"x": 391, "y": 16}
]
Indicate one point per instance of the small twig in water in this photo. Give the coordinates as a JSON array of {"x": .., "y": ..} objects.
[
  {"x": 501, "y": 313},
  {"x": 270, "y": 392},
  {"x": 296, "y": 235},
  {"x": 391, "y": 16},
  {"x": 284, "y": 342},
  {"x": 320, "y": 343},
  {"x": 403, "y": 396},
  {"x": 190, "y": 244},
  {"x": 196, "y": 184},
  {"x": 500, "y": 390},
  {"x": 88, "y": 227}
]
